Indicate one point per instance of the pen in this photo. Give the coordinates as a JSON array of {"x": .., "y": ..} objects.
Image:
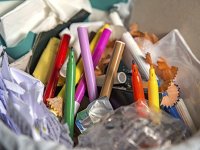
[
  {"x": 137, "y": 85},
  {"x": 70, "y": 90},
  {"x": 59, "y": 60},
  {"x": 87, "y": 62},
  {"x": 112, "y": 68},
  {"x": 99, "y": 49},
  {"x": 153, "y": 95},
  {"x": 79, "y": 66}
]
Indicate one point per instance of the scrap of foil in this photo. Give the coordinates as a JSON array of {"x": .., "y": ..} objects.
[{"x": 93, "y": 113}]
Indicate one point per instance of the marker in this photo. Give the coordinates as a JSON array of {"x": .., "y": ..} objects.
[
  {"x": 79, "y": 66},
  {"x": 120, "y": 79},
  {"x": 99, "y": 49},
  {"x": 137, "y": 85},
  {"x": 70, "y": 90},
  {"x": 46, "y": 61},
  {"x": 112, "y": 68},
  {"x": 87, "y": 62},
  {"x": 153, "y": 95},
  {"x": 60, "y": 58}
]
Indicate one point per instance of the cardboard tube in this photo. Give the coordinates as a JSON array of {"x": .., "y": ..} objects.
[{"x": 112, "y": 69}]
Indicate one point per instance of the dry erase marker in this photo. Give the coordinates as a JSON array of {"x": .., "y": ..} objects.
[
  {"x": 87, "y": 62},
  {"x": 137, "y": 85},
  {"x": 112, "y": 68},
  {"x": 99, "y": 49},
  {"x": 79, "y": 66},
  {"x": 60, "y": 58},
  {"x": 153, "y": 95},
  {"x": 119, "y": 79},
  {"x": 70, "y": 90}
]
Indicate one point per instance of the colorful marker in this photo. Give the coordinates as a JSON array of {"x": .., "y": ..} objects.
[
  {"x": 60, "y": 58},
  {"x": 87, "y": 62},
  {"x": 153, "y": 95},
  {"x": 79, "y": 67},
  {"x": 99, "y": 49},
  {"x": 70, "y": 90},
  {"x": 138, "y": 91}
]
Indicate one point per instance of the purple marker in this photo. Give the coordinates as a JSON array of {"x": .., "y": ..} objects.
[
  {"x": 98, "y": 51},
  {"x": 87, "y": 62}
]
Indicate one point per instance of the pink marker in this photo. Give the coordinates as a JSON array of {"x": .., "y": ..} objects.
[{"x": 98, "y": 51}]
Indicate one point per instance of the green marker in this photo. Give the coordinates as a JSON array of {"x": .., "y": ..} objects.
[{"x": 70, "y": 91}]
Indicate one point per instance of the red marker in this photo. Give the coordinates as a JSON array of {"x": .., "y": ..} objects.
[
  {"x": 59, "y": 60},
  {"x": 137, "y": 85}
]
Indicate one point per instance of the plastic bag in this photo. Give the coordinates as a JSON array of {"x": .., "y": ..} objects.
[
  {"x": 128, "y": 128},
  {"x": 176, "y": 52}
]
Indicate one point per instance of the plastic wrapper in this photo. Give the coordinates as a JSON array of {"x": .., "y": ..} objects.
[
  {"x": 95, "y": 111},
  {"x": 133, "y": 127}
]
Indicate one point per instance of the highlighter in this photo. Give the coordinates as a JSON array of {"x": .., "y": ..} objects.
[
  {"x": 99, "y": 49},
  {"x": 153, "y": 95},
  {"x": 112, "y": 69},
  {"x": 87, "y": 62},
  {"x": 79, "y": 66},
  {"x": 60, "y": 58},
  {"x": 137, "y": 85},
  {"x": 70, "y": 90},
  {"x": 46, "y": 61}
]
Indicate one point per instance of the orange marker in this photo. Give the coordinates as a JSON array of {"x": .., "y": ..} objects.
[{"x": 138, "y": 91}]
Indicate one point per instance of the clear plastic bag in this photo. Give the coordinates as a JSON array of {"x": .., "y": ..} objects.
[
  {"x": 175, "y": 50},
  {"x": 134, "y": 127}
]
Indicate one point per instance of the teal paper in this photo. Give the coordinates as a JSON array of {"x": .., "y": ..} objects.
[
  {"x": 2, "y": 42},
  {"x": 23, "y": 47},
  {"x": 105, "y": 4}
]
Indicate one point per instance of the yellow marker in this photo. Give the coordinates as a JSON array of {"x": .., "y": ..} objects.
[
  {"x": 44, "y": 66},
  {"x": 153, "y": 95},
  {"x": 79, "y": 66}
]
